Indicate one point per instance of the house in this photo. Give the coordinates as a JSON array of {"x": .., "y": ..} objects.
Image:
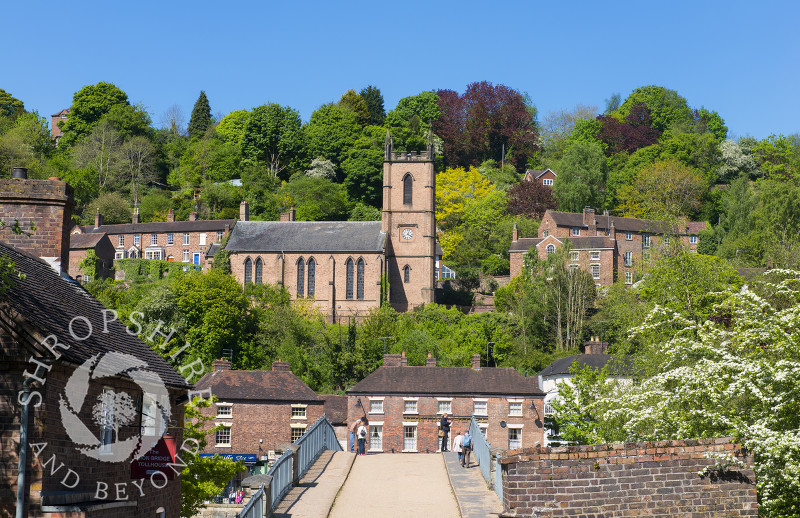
[
  {"x": 55, "y": 129},
  {"x": 180, "y": 241},
  {"x": 336, "y": 412},
  {"x": 595, "y": 356},
  {"x": 90, "y": 413},
  {"x": 608, "y": 247},
  {"x": 404, "y": 404},
  {"x": 258, "y": 410},
  {"x": 346, "y": 268},
  {"x": 544, "y": 177},
  {"x": 79, "y": 247}
]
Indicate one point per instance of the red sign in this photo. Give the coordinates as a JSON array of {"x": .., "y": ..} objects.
[{"x": 156, "y": 459}]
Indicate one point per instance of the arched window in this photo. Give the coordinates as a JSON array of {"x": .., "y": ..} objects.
[
  {"x": 348, "y": 267},
  {"x": 406, "y": 273},
  {"x": 301, "y": 275},
  {"x": 259, "y": 270},
  {"x": 248, "y": 271},
  {"x": 360, "y": 280},
  {"x": 408, "y": 187},
  {"x": 550, "y": 249},
  {"x": 312, "y": 266}
]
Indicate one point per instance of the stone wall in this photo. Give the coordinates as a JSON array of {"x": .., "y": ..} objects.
[{"x": 658, "y": 479}]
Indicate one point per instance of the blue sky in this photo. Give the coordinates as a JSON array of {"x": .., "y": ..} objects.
[{"x": 738, "y": 58}]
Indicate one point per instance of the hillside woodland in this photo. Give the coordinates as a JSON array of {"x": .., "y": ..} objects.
[{"x": 715, "y": 353}]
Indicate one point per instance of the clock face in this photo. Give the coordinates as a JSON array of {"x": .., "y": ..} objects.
[{"x": 408, "y": 233}]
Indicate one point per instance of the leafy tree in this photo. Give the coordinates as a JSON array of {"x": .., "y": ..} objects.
[
  {"x": 155, "y": 205},
  {"x": 530, "y": 199},
  {"x": 557, "y": 126},
  {"x": 454, "y": 186},
  {"x": 316, "y": 199},
  {"x": 331, "y": 132},
  {"x": 503, "y": 177},
  {"x": 273, "y": 137},
  {"x": 322, "y": 168},
  {"x": 355, "y": 103},
  {"x": 200, "y": 119},
  {"x": 138, "y": 156},
  {"x": 665, "y": 189},
  {"x": 129, "y": 121},
  {"x": 734, "y": 162},
  {"x": 203, "y": 477},
  {"x": 89, "y": 105},
  {"x": 425, "y": 106},
  {"x": 667, "y": 108},
  {"x": 775, "y": 157},
  {"x": 581, "y": 177},
  {"x": 706, "y": 121},
  {"x": 114, "y": 208},
  {"x": 232, "y": 127},
  {"x": 633, "y": 133},
  {"x": 206, "y": 159},
  {"x": 363, "y": 176},
  {"x": 374, "y": 100},
  {"x": 362, "y": 212},
  {"x": 10, "y": 106},
  {"x": 101, "y": 150}
]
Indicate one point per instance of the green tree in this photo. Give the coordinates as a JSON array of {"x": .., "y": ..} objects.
[
  {"x": 355, "y": 103},
  {"x": 425, "y": 106},
  {"x": 775, "y": 157},
  {"x": 12, "y": 107},
  {"x": 232, "y": 127},
  {"x": 273, "y": 138},
  {"x": 129, "y": 121},
  {"x": 664, "y": 190},
  {"x": 667, "y": 109},
  {"x": 331, "y": 132},
  {"x": 316, "y": 199},
  {"x": 114, "y": 208},
  {"x": 374, "y": 99},
  {"x": 138, "y": 156},
  {"x": 454, "y": 186},
  {"x": 89, "y": 105},
  {"x": 581, "y": 177},
  {"x": 200, "y": 119},
  {"x": 155, "y": 205}
]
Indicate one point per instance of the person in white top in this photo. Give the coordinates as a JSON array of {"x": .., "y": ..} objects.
[
  {"x": 458, "y": 442},
  {"x": 362, "y": 436}
]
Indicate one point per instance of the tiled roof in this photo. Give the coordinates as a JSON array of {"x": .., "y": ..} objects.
[
  {"x": 443, "y": 381},
  {"x": 598, "y": 361},
  {"x": 257, "y": 385},
  {"x": 81, "y": 241},
  {"x": 524, "y": 244},
  {"x": 335, "y": 408},
  {"x": 160, "y": 227},
  {"x": 693, "y": 227},
  {"x": 49, "y": 302},
  {"x": 588, "y": 243},
  {"x": 537, "y": 173},
  {"x": 575, "y": 219},
  {"x": 307, "y": 236}
]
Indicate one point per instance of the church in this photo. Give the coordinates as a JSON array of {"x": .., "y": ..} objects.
[{"x": 346, "y": 268}]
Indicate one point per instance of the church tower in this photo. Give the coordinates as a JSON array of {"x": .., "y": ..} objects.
[{"x": 409, "y": 193}]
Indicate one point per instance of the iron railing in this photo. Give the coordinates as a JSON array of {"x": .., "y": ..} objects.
[
  {"x": 320, "y": 437},
  {"x": 281, "y": 473},
  {"x": 255, "y": 506},
  {"x": 481, "y": 450}
]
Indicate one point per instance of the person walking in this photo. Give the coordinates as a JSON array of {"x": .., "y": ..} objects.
[
  {"x": 362, "y": 435},
  {"x": 444, "y": 426},
  {"x": 458, "y": 442},
  {"x": 353, "y": 428},
  {"x": 466, "y": 445}
]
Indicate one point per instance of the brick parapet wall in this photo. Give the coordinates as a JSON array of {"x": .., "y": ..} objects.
[{"x": 659, "y": 479}]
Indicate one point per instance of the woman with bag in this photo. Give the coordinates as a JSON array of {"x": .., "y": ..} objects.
[{"x": 362, "y": 435}]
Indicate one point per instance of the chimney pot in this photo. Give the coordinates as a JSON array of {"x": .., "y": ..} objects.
[
  {"x": 281, "y": 366},
  {"x": 20, "y": 173},
  {"x": 135, "y": 218},
  {"x": 171, "y": 215},
  {"x": 476, "y": 362},
  {"x": 221, "y": 365},
  {"x": 430, "y": 361}
]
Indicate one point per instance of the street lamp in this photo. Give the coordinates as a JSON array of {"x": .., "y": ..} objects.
[{"x": 487, "y": 352}]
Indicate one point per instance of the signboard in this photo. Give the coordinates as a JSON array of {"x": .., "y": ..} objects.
[
  {"x": 246, "y": 457},
  {"x": 157, "y": 459}
]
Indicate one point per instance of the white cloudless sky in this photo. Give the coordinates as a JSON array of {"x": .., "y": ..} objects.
[{"x": 741, "y": 59}]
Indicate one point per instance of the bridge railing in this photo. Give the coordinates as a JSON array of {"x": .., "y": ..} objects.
[
  {"x": 481, "y": 450},
  {"x": 320, "y": 437},
  {"x": 282, "y": 479},
  {"x": 256, "y": 507}
]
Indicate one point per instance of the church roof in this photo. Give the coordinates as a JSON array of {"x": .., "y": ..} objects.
[{"x": 307, "y": 236}]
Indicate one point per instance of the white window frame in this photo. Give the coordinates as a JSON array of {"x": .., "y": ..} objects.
[
  {"x": 296, "y": 426},
  {"x": 693, "y": 240},
  {"x": 375, "y": 405},
  {"x": 121, "y": 240},
  {"x": 298, "y": 407},
  {"x": 107, "y": 423},
  {"x": 627, "y": 258},
  {"x": 374, "y": 425},
  {"x": 666, "y": 240},
  {"x": 229, "y": 414},
  {"x": 203, "y": 239},
  {"x": 484, "y": 402},
  {"x": 186, "y": 257},
  {"x": 594, "y": 255},
  {"x": 407, "y": 401},
  {"x": 220, "y": 234},
  {"x": 576, "y": 231},
  {"x": 628, "y": 277},
  {"x": 574, "y": 256},
  {"x": 515, "y": 402},
  {"x": 550, "y": 249},
  {"x": 120, "y": 254},
  {"x": 445, "y": 405},
  {"x": 413, "y": 425},
  {"x": 628, "y": 236},
  {"x": 153, "y": 239},
  {"x": 595, "y": 269},
  {"x": 545, "y": 233},
  {"x": 547, "y": 181},
  {"x": 645, "y": 240},
  {"x": 170, "y": 239},
  {"x": 137, "y": 239},
  {"x": 227, "y": 425},
  {"x": 518, "y": 428},
  {"x": 185, "y": 238}
]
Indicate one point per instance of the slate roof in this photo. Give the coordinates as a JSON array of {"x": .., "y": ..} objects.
[
  {"x": 537, "y": 173},
  {"x": 575, "y": 219},
  {"x": 335, "y": 408},
  {"x": 160, "y": 227},
  {"x": 524, "y": 244},
  {"x": 257, "y": 385},
  {"x": 598, "y": 361},
  {"x": 576, "y": 243},
  {"x": 307, "y": 236},
  {"x": 83, "y": 241},
  {"x": 446, "y": 381},
  {"x": 49, "y": 302}
]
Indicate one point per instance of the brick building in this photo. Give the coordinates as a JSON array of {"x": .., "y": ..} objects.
[
  {"x": 608, "y": 247},
  {"x": 180, "y": 241},
  {"x": 342, "y": 266},
  {"x": 97, "y": 396},
  {"x": 544, "y": 177},
  {"x": 259, "y": 411},
  {"x": 79, "y": 247},
  {"x": 404, "y": 405},
  {"x": 55, "y": 129}
]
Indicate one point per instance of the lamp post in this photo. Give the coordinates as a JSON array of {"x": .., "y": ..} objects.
[{"x": 487, "y": 352}]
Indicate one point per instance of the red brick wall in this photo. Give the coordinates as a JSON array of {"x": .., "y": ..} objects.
[
  {"x": 174, "y": 250},
  {"x": 658, "y": 479}
]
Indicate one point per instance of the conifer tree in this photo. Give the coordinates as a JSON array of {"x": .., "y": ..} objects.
[{"x": 201, "y": 116}]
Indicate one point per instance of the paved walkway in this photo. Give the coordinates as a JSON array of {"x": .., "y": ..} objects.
[
  {"x": 475, "y": 500},
  {"x": 318, "y": 488},
  {"x": 397, "y": 485}
]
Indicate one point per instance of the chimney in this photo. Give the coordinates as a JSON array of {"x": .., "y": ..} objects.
[
  {"x": 279, "y": 366},
  {"x": 193, "y": 216},
  {"x": 98, "y": 219},
  {"x": 476, "y": 362},
  {"x": 244, "y": 211},
  {"x": 291, "y": 213},
  {"x": 595, "y": 346},
  {"x": 683, "y": 225},
  {"x": 391, "y": 360},
  {"x": 221, "y": 365},
  {"x": 514, "y": 234},
  {"x": 588, "y": 216},
  {"x": 288, "y": 216},
  {"x": 171, "y": 216},
  {"x": 403, "y": 359},
  {"x": 430, "y": 361},
  {"x": 45, "y": 204},
  {"x": 135, "y": 218},
  {"x": 612, "y": 231}
]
